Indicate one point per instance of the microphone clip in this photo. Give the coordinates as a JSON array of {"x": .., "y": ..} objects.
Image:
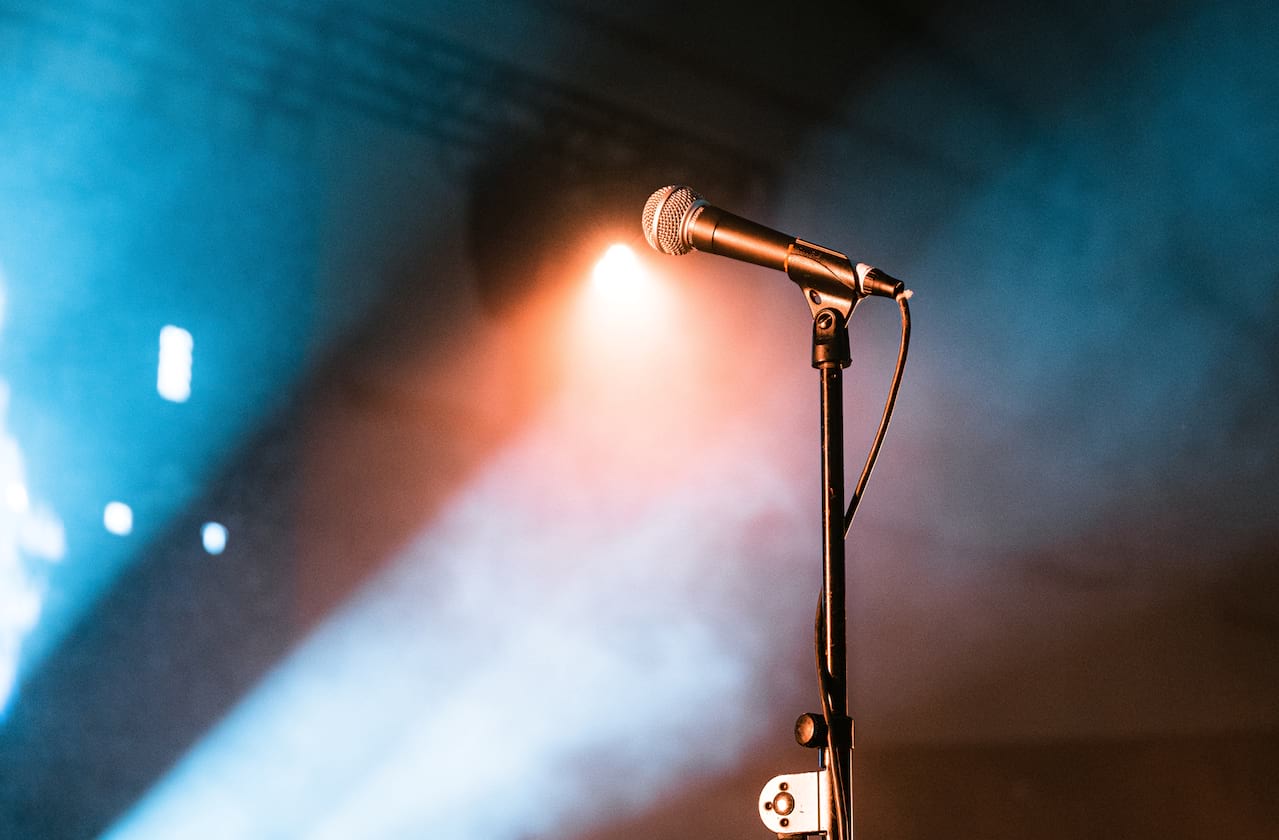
[
  {"x": 830, "y": 340},
  {"x": 826, "y": 277}
]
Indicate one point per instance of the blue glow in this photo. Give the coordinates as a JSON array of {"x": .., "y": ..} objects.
[{"x": 131, "y": 199}]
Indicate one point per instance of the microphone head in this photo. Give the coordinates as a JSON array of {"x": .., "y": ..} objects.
[{"x": 666, "y": 216}]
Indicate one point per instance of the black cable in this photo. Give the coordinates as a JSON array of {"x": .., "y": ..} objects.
[
  {"x": 824, "y": 677},
  {"x": 901, "y": 298}
]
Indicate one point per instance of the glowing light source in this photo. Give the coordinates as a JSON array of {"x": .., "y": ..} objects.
[
  {"x": 622, "y": 291},
  {"x": 213, "y": 535},
  {"x": 625, "y": 335},
  {"x": 173, "y": 379},
  {"x": 117, "y": 517},
  {"x": 619, "y": 269}
]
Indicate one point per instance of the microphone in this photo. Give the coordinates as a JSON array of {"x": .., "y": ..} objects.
[{"x": 678, "y": 220}]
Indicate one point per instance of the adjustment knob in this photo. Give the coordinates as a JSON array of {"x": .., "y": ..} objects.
[{"x": 810, "y": 730}]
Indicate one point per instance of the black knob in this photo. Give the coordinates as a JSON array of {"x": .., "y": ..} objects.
[{"x": 810, "y": 730}]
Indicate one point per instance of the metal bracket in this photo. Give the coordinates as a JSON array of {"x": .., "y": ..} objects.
[{"x": 793, "y": 805}]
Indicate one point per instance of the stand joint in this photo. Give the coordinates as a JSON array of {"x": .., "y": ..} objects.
[{"x": 830, "y": 340}]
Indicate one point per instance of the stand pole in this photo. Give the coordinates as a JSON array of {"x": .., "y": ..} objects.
[{"x": 830, "y": 355}]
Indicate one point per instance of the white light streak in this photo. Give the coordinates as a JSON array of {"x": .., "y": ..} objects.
[{"x": 26, "y": 530}]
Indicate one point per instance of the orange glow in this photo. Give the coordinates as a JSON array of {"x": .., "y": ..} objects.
[
  {"x": 624, "y": 300},
  {"x": 623, "y": 311}
]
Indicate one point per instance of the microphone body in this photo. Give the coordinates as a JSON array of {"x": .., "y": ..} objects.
[
  {"x": 677, "y": 220},
  {"x": 717, "y": 231}
]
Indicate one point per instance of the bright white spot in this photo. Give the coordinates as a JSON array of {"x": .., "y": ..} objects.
[
  {"x": 15, "y": 495},
  {"x": 623, "y": 302},
  {"x": 118, "y": 518},
  {"x": 173, "y": 379},
  {"x": 623, "y": 291},
  {"x": 619, "y": 269},
  {"x": 214, "y": 536}
]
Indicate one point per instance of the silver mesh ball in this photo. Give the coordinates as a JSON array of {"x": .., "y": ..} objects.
[{"x": 665, "y": 214}]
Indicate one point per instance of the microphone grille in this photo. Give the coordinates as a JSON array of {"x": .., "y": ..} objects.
[{"x": 665, "y": 215}]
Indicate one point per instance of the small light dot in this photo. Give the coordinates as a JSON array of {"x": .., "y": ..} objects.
[
  {"x": 214, "y": 536},
  {"x": 118, "y": 518}
]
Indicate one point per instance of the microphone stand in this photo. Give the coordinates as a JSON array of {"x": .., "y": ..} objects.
[
  {"x": 831, "y": 354},
  {"x": 820, "y": 803},
  {"x": 677, "y": 220},
  {"x": 804, "y": 805}
]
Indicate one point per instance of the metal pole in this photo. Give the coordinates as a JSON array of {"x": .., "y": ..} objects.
[{"x": 830, "y": 355}]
